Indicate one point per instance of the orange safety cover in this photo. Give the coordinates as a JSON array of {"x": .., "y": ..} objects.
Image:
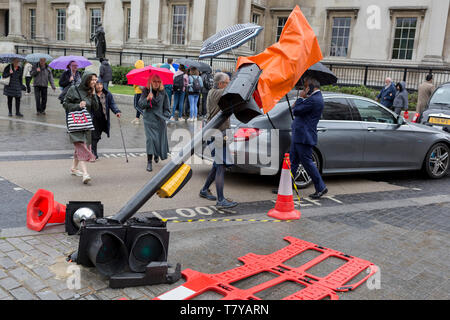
[{"x": 284, "y": 62}]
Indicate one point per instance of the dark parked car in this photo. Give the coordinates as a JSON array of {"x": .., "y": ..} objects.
[
  {"x": 437, "y": 113},
  {"x": 356, "y": 135}
]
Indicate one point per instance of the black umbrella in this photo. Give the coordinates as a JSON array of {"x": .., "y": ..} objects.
[
  {"x": 319, "y": 72},
  {"x": 202, "y": 67}
]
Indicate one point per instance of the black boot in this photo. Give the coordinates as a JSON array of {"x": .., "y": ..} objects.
[{"x": 149, "y": 162}]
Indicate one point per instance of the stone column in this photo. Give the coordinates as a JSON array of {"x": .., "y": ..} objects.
[
  {"x": 436, "y": 35},
  {"x": 198, "y": 23},
  {"x": 113, "y": 22},
  {"x": 41, "y": 20},
  {"x": 245, "y": 16},
  {"x": 15, "y": 19},
  {"x": 153, "y": 21},
  {"x": 227, "y": 13},
  {"x": 135, "y": 21}
]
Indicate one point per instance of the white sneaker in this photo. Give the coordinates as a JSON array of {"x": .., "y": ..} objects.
[
  {"x": 86, "y": 179},
  {"x": 172, "y": 119},
  {"x": 76, "y": 172}
]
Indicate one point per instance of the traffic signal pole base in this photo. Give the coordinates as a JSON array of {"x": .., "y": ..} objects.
[{"x": 157, "y": 272}]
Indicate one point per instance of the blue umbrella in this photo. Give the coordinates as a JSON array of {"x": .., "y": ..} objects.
[
  {"x": 35, "y": 57},
  {"x": 9, "y": 57},
  {"x": 229, "y": 39}
]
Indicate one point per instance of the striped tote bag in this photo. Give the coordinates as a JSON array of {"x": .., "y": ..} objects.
[{"x": 79, "y": 121}]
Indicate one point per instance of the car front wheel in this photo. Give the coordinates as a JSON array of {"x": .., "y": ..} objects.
[{"x": 437, "y": 161}]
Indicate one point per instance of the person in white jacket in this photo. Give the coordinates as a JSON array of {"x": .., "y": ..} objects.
[{"x": 27, "y": 74}]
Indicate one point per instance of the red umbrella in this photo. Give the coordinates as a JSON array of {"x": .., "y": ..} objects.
[{"x": 140, "y": 76}]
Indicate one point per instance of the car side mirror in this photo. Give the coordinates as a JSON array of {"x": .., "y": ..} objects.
[{"x": 400, "y": 121}]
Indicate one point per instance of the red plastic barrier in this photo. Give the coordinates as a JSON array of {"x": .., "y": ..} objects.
[
  {"x": 42, "y": 209},
  {"x": 316, "y": 288}
]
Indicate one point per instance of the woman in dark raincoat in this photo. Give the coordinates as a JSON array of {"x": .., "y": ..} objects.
[
  {"x": 155, "y": 103},
  {"x": 77, "y": 98}
]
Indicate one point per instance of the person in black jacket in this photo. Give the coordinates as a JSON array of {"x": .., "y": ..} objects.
[
  {"x": 68, "y": 78},
  {"x": 105, "y": 72},
  {"x": 14, "y": 89},
  {"x": 101, "y": 117}
]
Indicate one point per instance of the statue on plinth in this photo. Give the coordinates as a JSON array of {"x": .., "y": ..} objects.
[{"x": 100, "y": 41}]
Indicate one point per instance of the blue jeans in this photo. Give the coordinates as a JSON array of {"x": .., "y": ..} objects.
[
  {"x": 193, "y": 103},
  {"x": 178, "y": 101},
  {"x": 302, "y": 153}
]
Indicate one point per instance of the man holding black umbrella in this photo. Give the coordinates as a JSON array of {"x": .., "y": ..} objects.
[{"x": 307, "y": 111}]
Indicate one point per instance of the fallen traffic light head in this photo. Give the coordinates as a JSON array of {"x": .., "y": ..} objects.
[
  {"x": 147, "y": 240},
  {"x": 102, "y": 245},
  {"x": 128, "y": 252},
  {"x": 237, "y": 97}
]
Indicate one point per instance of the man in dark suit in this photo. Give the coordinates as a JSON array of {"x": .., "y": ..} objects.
[{"x": 307, "y": 111}]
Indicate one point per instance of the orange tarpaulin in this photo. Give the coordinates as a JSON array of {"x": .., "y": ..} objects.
[{"x": 284, "y": 62}]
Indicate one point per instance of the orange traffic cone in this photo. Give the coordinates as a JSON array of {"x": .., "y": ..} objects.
[
  {"x": 42, "y": 209},
  {"x": 284, "y": 207},
  {"x": 406, "y": 115}
]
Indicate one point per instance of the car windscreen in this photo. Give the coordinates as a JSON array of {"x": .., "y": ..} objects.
[{"x": 441, "y": 97}]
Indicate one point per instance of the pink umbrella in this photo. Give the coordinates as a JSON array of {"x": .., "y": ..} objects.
[{"x": 140, "y": 76}]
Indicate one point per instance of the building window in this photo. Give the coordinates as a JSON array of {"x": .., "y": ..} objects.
[
  {"x": 280, "y": 25},
  {"x": 255, "y": 20},
  {"x": 340, "y": 35},
  {"x": 32, "y": 23},
  {"x": 179, "y": 18},
  {"x": 61, "y": 24},
  {"x": 404, "y": 35},
  {"x": 96, "y": 18},
  {"x": 128, "y": 20}
]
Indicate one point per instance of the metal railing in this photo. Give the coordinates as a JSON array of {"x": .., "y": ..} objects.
[
  {"x": 348, "y": 74},
  {"x": 373, "y": 76}
]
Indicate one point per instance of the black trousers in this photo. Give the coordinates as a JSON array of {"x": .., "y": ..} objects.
[
  {"x": 28, "y": 81},
  {"x": 40, "y": 93},
  {"x": 10, "y": 99}
]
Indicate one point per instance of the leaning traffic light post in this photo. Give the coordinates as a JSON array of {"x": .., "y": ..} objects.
[{"x": 133, "y": 251}]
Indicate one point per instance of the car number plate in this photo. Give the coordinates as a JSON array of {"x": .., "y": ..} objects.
[{"x": 441, "y": 121}]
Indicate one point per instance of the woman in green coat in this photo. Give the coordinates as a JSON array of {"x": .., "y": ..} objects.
[
  {"x": 155, "y": 103},
  {"x": 77, "y": 98}
]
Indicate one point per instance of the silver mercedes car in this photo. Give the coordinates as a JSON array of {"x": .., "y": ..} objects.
[{"x": 355, "y": 135}]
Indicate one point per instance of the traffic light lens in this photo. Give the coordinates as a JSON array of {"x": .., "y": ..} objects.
[
  {"x": 110, "y": 249},
  {"x": 148, "y": 248}
]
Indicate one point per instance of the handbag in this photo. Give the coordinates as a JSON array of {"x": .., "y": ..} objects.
[
  {"x": 6, "y": 81},
  {"x": 79, "y": 120}
]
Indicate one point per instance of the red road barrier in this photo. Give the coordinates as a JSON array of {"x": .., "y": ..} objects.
[{"x": 315, "y": 288}]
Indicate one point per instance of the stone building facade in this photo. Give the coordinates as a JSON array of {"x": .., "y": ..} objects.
[{"x": 400, "y": 32}]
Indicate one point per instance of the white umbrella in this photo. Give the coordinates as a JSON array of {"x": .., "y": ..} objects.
[{"x": 229, "y": 39}]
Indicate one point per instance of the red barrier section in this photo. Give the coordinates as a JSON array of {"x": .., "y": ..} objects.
[
  {"x": 315, "y": 288},
  {"x": 42, "y": 209}
]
